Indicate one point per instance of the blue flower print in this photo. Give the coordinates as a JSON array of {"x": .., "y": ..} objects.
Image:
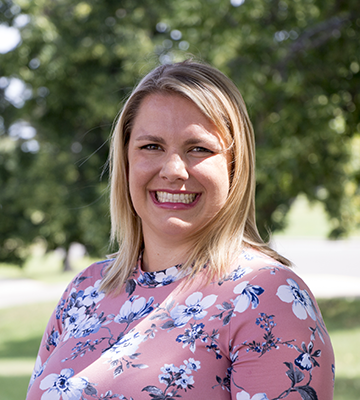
[
  {"x": 168, "y": 368},
  {"x": 245, "y": 396},
  {"x": 236, "y": 274},
  {"x": 134, "y": 309},
  {"x": 302, "y": 303},
  {"x": 195, "y": 308},
  {"x": 38, "y": 370},
  {"x": 63, "y": 385},
  {"x": 191, "y": 365},
  {"x": 175, "y": 379},
  {"x": 92, "y": 295},
  {"x": 80, "y": 324},
  {"x": 306, "y": 360},
  {"x": 191, "y": 335},
  {"x": 74, "y": 317},
  {"x": 52, "y": 339},
  {"x": 195, "y": 332},
  {"x": 184, "y": 381},
  {"x": 59, "y": 308},
  {"x": 126, "y": 346},
  {"x": 270, "y": 341},
  {"x": 240, "y": 272},
  {"x": 248, "y": 294},
  {"x": 248, "y": 256},
  {"x": 160, "y": 278},
  {"x": 91, "y": 324}
]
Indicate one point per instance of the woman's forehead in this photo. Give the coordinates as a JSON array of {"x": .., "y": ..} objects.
[{"x": 164, "y": 103}]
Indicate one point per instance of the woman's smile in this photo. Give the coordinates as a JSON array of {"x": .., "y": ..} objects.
[
  {"x": 166, "y": 197},
  {"x": 178, "y": 168}
]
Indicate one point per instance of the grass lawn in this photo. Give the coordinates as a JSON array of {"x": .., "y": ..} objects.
[
  {"x": 22, "y": 328},
  {"x": 309, "y": 220}
]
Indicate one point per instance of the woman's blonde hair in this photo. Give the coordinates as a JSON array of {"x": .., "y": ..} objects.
[{"x": 234, "y": 226}]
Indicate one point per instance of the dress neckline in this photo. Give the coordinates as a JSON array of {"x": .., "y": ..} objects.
[{"x": 159, "y": 278}]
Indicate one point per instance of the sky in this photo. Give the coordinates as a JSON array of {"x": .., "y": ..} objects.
[{"x": 9, "y": 38}]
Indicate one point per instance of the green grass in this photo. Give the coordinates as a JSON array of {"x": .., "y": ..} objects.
[
  {"x": 22, "y": 328},
  {"x": 44, "y": 267},
  {"x": 309, "y": 220},
  {"x": 21, "y": 331}
]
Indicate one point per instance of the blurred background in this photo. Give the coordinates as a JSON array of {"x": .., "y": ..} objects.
[{"x": 66, "y": 68}]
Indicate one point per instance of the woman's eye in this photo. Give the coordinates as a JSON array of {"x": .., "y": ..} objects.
[
  {"x": 151, "y": 146},
  {"x": 201, "y": 150}
]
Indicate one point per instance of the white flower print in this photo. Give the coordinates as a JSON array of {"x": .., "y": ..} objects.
[
  {"x": 134, "y": 309},
  {"x": 192, "y": 365},
  {"x": 75, "y": 316},
  {"x": 248, "y": 295},
  {"x": 126, "y": 346},
  {"x": 167, "y": 368},
  {"x": 184, "y": 381},
  {"x": 175, "y": 379},
  {"x": 90, "y": 325},
  {"x": 195, "y": 308},
  {"x": 240, "y": 272},
  {"x": 245, "y": 396},
  {"x": 63, "y": 385},
  {"x": 304, "y": 361},
  {"x": 92, "y": 295},
  {"x": 302, "y": 303},
  {"x": 160, "y": 278},
  {"x": 38, "y": 370}
]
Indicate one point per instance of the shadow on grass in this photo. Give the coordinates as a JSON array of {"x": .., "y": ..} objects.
[
  {"x": 14, "y": 387},
  {"x": 340, "y": 314},
  {"x": 21, "y": 349},
  {"x": 347, "y": 389}
]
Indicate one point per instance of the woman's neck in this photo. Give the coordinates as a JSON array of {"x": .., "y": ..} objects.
[{"x": 161, "y": 256}]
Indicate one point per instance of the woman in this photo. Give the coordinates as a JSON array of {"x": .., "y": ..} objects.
[{"x": 194, "y": 305}]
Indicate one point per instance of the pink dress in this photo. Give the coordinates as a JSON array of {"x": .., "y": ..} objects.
[{"x": 256, "y": 334}]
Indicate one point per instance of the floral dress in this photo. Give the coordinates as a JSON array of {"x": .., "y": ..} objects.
[{"x": 256, "y": 334}]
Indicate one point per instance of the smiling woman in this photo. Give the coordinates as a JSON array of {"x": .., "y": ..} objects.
[
  {"x": 177, "y": 164},
  {"x": 194, "y": 304}
]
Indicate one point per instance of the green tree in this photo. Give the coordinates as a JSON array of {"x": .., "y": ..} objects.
[
  {"x": 78, "y": 59},
  {"x": 296, "y": 63}
]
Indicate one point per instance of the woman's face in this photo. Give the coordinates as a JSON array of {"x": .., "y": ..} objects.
[{"x": 178, "y": 168}]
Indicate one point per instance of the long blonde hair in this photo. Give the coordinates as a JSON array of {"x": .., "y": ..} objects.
[{"x": 234, "y": 226}]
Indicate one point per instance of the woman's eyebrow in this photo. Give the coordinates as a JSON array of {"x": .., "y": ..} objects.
[
  {"x": 208, "y": 141},
  {"x": 151, "y": 138},
  {"x": 193, "y": 141}
]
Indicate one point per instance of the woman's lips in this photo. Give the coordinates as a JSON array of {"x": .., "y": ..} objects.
[
  {"x": 166, "y": 197},
  {"x": 174, "y": 200}
]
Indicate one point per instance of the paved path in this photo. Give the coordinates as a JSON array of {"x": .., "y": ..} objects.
[{"x": 330, "y": 268}]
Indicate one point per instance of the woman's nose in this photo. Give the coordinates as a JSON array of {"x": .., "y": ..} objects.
[{"x": 174, "y": 168}]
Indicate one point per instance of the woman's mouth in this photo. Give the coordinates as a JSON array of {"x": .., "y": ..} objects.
[{"x": 166, "y": 197}]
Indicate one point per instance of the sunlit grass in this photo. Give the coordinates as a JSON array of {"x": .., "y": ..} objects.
[
  {"x": 307, "y": 219},
  {"x": 45, "y": 268},
  {"x": 21, "y": 331}
]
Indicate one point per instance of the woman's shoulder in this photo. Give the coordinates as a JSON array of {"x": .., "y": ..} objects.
[
  {"x": 252, "y": 262},
  {"x": 255, "y": 269},
  {"x": 89, "y": 277}
]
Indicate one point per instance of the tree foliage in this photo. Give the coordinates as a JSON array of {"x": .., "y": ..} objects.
[{"x": 296, "y": 62}]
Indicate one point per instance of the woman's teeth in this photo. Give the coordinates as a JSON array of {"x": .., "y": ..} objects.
[{"x": 165, "y": 197}]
